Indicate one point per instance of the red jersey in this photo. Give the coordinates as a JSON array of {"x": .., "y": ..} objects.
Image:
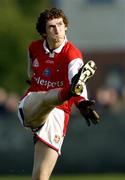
[{"x": 54, "y": 69}]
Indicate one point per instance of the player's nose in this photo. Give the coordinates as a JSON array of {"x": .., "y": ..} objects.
[{"x": 56, "y": 29}]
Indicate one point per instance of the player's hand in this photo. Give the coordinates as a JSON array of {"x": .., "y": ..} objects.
[{"x": 90, "y": 115}]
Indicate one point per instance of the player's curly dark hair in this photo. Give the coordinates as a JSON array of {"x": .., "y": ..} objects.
[{"x": 46, "y": 15}]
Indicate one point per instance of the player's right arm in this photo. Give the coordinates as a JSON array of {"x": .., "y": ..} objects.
[{"x": 29, "y": 66}]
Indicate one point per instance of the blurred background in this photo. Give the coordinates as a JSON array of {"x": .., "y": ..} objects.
[{"x": 97, "y": 27}]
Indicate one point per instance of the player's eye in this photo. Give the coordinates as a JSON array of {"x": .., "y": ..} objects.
[
  {"x": 51, "y": 26},
  {"x": 60, "y": 23}
]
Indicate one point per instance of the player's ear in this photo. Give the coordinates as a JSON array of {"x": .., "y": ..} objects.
[
  {"x": 44, "y": 35},
  {"x": 65, "y": 28}
]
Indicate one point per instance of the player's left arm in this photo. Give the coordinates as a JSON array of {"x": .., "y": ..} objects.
[
  {"x": 86, "y": 109},
  {"x": 29, "y": 66}
]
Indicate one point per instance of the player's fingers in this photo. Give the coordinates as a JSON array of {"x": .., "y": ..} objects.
[
  {"x": 95, "y": 117},
  {"x": 88, "y": 121}
]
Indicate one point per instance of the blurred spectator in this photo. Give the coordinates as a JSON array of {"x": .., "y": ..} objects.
[
  {"x": 12, "y": 102},
  {"x": 8, "y": 103},
  {"x": 123, "y": 97},
  {"x": 3, "y": 99},
  {"x": 114, "y": 79},
  {"x": 108, "y": 97}
]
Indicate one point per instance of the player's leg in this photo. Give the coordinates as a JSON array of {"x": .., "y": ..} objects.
[
  {"x": 37, "y": 105},
  {"x": 48, "y": 142},
  {"x": 44, "y": 161},
  {"x": 79, "y": 80}
]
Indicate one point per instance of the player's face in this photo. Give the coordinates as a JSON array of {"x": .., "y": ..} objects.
[{"x": 55, "y": 30}]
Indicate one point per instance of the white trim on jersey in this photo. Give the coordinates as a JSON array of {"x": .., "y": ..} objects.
[
  {"x": 73, "y": 69},
  {"x": 57, "y": 50}
]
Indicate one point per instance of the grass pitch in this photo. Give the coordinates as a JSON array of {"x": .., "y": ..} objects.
[{"x": 73, "y": 177}]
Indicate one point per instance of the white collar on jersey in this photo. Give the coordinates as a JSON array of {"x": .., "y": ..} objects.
[{"x": 57, "y": 50}]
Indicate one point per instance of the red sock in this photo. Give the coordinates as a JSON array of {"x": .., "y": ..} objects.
[{"x": 64, "y": 94}]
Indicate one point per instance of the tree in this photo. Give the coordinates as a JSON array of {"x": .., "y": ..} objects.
[{"x": 18, "y": 18}]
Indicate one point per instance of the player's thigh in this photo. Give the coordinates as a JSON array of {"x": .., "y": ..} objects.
[
  {"x": 33, "y": 101},
  {"x": 44, "y": 160},
  {"x": 36, "y": 102}
]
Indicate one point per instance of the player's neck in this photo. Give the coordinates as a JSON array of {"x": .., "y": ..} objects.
[{"x": 53, "y": 45}]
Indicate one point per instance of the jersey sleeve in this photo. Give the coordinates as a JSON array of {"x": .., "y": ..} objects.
[{"x": 73, "y": 69}]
